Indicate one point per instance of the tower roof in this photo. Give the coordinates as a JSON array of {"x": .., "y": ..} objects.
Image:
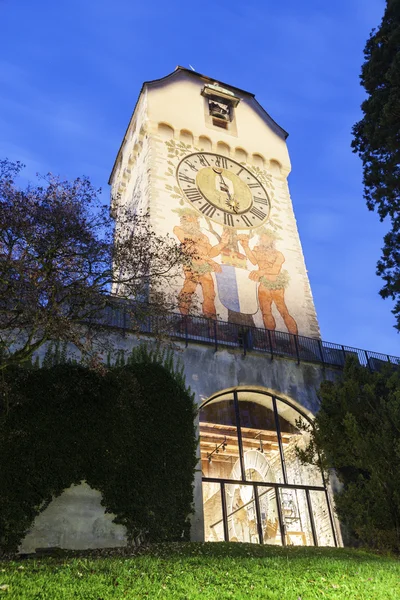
[{"x": 206, "y": 79}]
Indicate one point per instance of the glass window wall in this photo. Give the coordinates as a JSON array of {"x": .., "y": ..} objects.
[{"x": 254, "y": 487}]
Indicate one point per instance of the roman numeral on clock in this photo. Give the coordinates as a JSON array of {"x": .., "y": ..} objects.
[
  {"x": 193, "y": 194},
  {"x": 260, "y": 201},
  {"x": 228, "y": 220},
  {"x": 191, "y": 166},
  {"x": 246, "y": 221},
  {"x": 203, "y": 161},
  {"x": 220, "y": 161},
  {"x": 257, "y": 213},
  {"x": 253, "y": 185},
  {"x": 208, "y": 210},
  {"x": 185, "y": 178}
]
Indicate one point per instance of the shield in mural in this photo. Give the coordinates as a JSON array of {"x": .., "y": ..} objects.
[{"x": 236, "y": 291}]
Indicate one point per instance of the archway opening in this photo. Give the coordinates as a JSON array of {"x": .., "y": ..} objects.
[{"x": 254, "y": 487}]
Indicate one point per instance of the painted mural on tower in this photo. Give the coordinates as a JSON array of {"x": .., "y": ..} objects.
[
  {"x": 222, "y": 192},
  {"x": 221, "y": 211}
]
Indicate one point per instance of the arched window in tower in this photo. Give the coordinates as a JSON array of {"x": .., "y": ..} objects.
[
  {"x": 240, "y": 155},
  {"x": 258, "y": 161},
  {"x": 223, "y": 148},
  {"x": 186, "y": 137},
  {"x": 165, "y": 131},
  {"x": 254, "y": 487},
  {"x": 205, "y": 143},
  {"x": 275, "y": 167}
]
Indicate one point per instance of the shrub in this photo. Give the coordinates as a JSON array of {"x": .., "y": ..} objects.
[
  {"x": 357, "y": 433},
  {"x": 128, "y": 431}
]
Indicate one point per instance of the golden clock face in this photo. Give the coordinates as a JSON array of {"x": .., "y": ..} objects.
[{"x": 223, "y": 190}]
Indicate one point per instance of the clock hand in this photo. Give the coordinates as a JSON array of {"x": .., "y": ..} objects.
[
  {"x": 224, "y": 187},
  {"x": 231, "y": 202},
  {"x": 233, "y": 205}
]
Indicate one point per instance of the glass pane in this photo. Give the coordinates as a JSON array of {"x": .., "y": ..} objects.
[
  {"x": 296, "y": 517},
  {"x": 293, "y": 436},
  {"x": 259, "y": 438},
  {"x": 269, "y": 516},
  {"x": 321, "y": 519},
  {"x": 212, "y": 506},
  {"x": 218, "y": 440},
  {"x": 241, "y": 512}
]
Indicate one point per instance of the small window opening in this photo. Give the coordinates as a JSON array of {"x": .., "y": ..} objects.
[{"x": 220, "y": 110}]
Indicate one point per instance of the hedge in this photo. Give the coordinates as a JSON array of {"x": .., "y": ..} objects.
[{"x": 127, "y": 430}]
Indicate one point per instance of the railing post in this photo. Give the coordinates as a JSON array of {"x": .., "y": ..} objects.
[
  {"x": 215, "y": 335},
  {"x": 250, "y": 342},
  {"x": 186, "y": 331},
  {"x": 321, "y": 351},
  {"x": 344, "y": 354},
  {"x": 296, "y": 343},
  {"x": 368, "y": 363},
  {"x": 270, "y": 344}
]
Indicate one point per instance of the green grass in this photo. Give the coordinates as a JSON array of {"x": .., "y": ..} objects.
[{"x": 207, "y": 572}]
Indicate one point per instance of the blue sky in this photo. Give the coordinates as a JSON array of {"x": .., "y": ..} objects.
[{"x": 70, "y": 73}]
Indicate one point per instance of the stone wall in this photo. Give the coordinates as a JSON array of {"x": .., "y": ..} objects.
[{"x": 77, "y": 520}]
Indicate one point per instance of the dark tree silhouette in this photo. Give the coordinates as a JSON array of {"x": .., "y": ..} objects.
[
  {"x": 377, "y": 141},
  {"x": 60, "y": 258}
]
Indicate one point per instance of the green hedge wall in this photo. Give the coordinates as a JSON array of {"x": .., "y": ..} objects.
[{"x": 127, "y": 430}]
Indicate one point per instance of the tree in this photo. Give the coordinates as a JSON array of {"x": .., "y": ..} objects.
[
  {"x": 357, "y": 433},
  {"x": 377, "y": 141},
  {"x": 60, "y": 258}
]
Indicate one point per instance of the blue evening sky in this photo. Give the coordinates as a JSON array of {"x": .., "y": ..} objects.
[{"x": 70, "y": 74}]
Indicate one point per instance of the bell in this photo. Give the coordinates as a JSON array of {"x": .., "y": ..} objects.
[{"x": 217, "y": 110}]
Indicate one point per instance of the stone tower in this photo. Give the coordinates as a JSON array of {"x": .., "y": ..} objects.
[
  {"x": 208, "y": 162},
  {"x": 210, "y": 166}
]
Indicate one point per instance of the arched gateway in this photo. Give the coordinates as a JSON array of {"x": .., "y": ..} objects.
[{"x": 254, "y": 487}]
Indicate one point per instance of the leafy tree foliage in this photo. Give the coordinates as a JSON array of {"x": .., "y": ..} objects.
[
  {"x": 377, "y": 141},
  {"x": 128, "y": 431},
  {"x": 357, "y": 433},
  {"x": 60, "y": 258}
]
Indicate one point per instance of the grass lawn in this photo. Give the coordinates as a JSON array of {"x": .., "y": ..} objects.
[{"x": 207, "y": 572}]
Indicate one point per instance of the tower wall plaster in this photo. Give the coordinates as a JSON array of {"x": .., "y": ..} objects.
[{"x": 145, "y": 179}]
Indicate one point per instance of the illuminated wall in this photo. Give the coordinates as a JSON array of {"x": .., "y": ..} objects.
[{"x": 223, "y": 193}]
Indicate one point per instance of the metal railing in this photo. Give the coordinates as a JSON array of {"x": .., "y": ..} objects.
[{"x": 220, "y": 334}]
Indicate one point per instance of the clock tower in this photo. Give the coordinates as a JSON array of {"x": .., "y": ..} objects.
[{"x": 210, "y": 166}]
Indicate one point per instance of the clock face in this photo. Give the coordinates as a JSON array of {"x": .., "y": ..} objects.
[{"x": 223, "y": 190}]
